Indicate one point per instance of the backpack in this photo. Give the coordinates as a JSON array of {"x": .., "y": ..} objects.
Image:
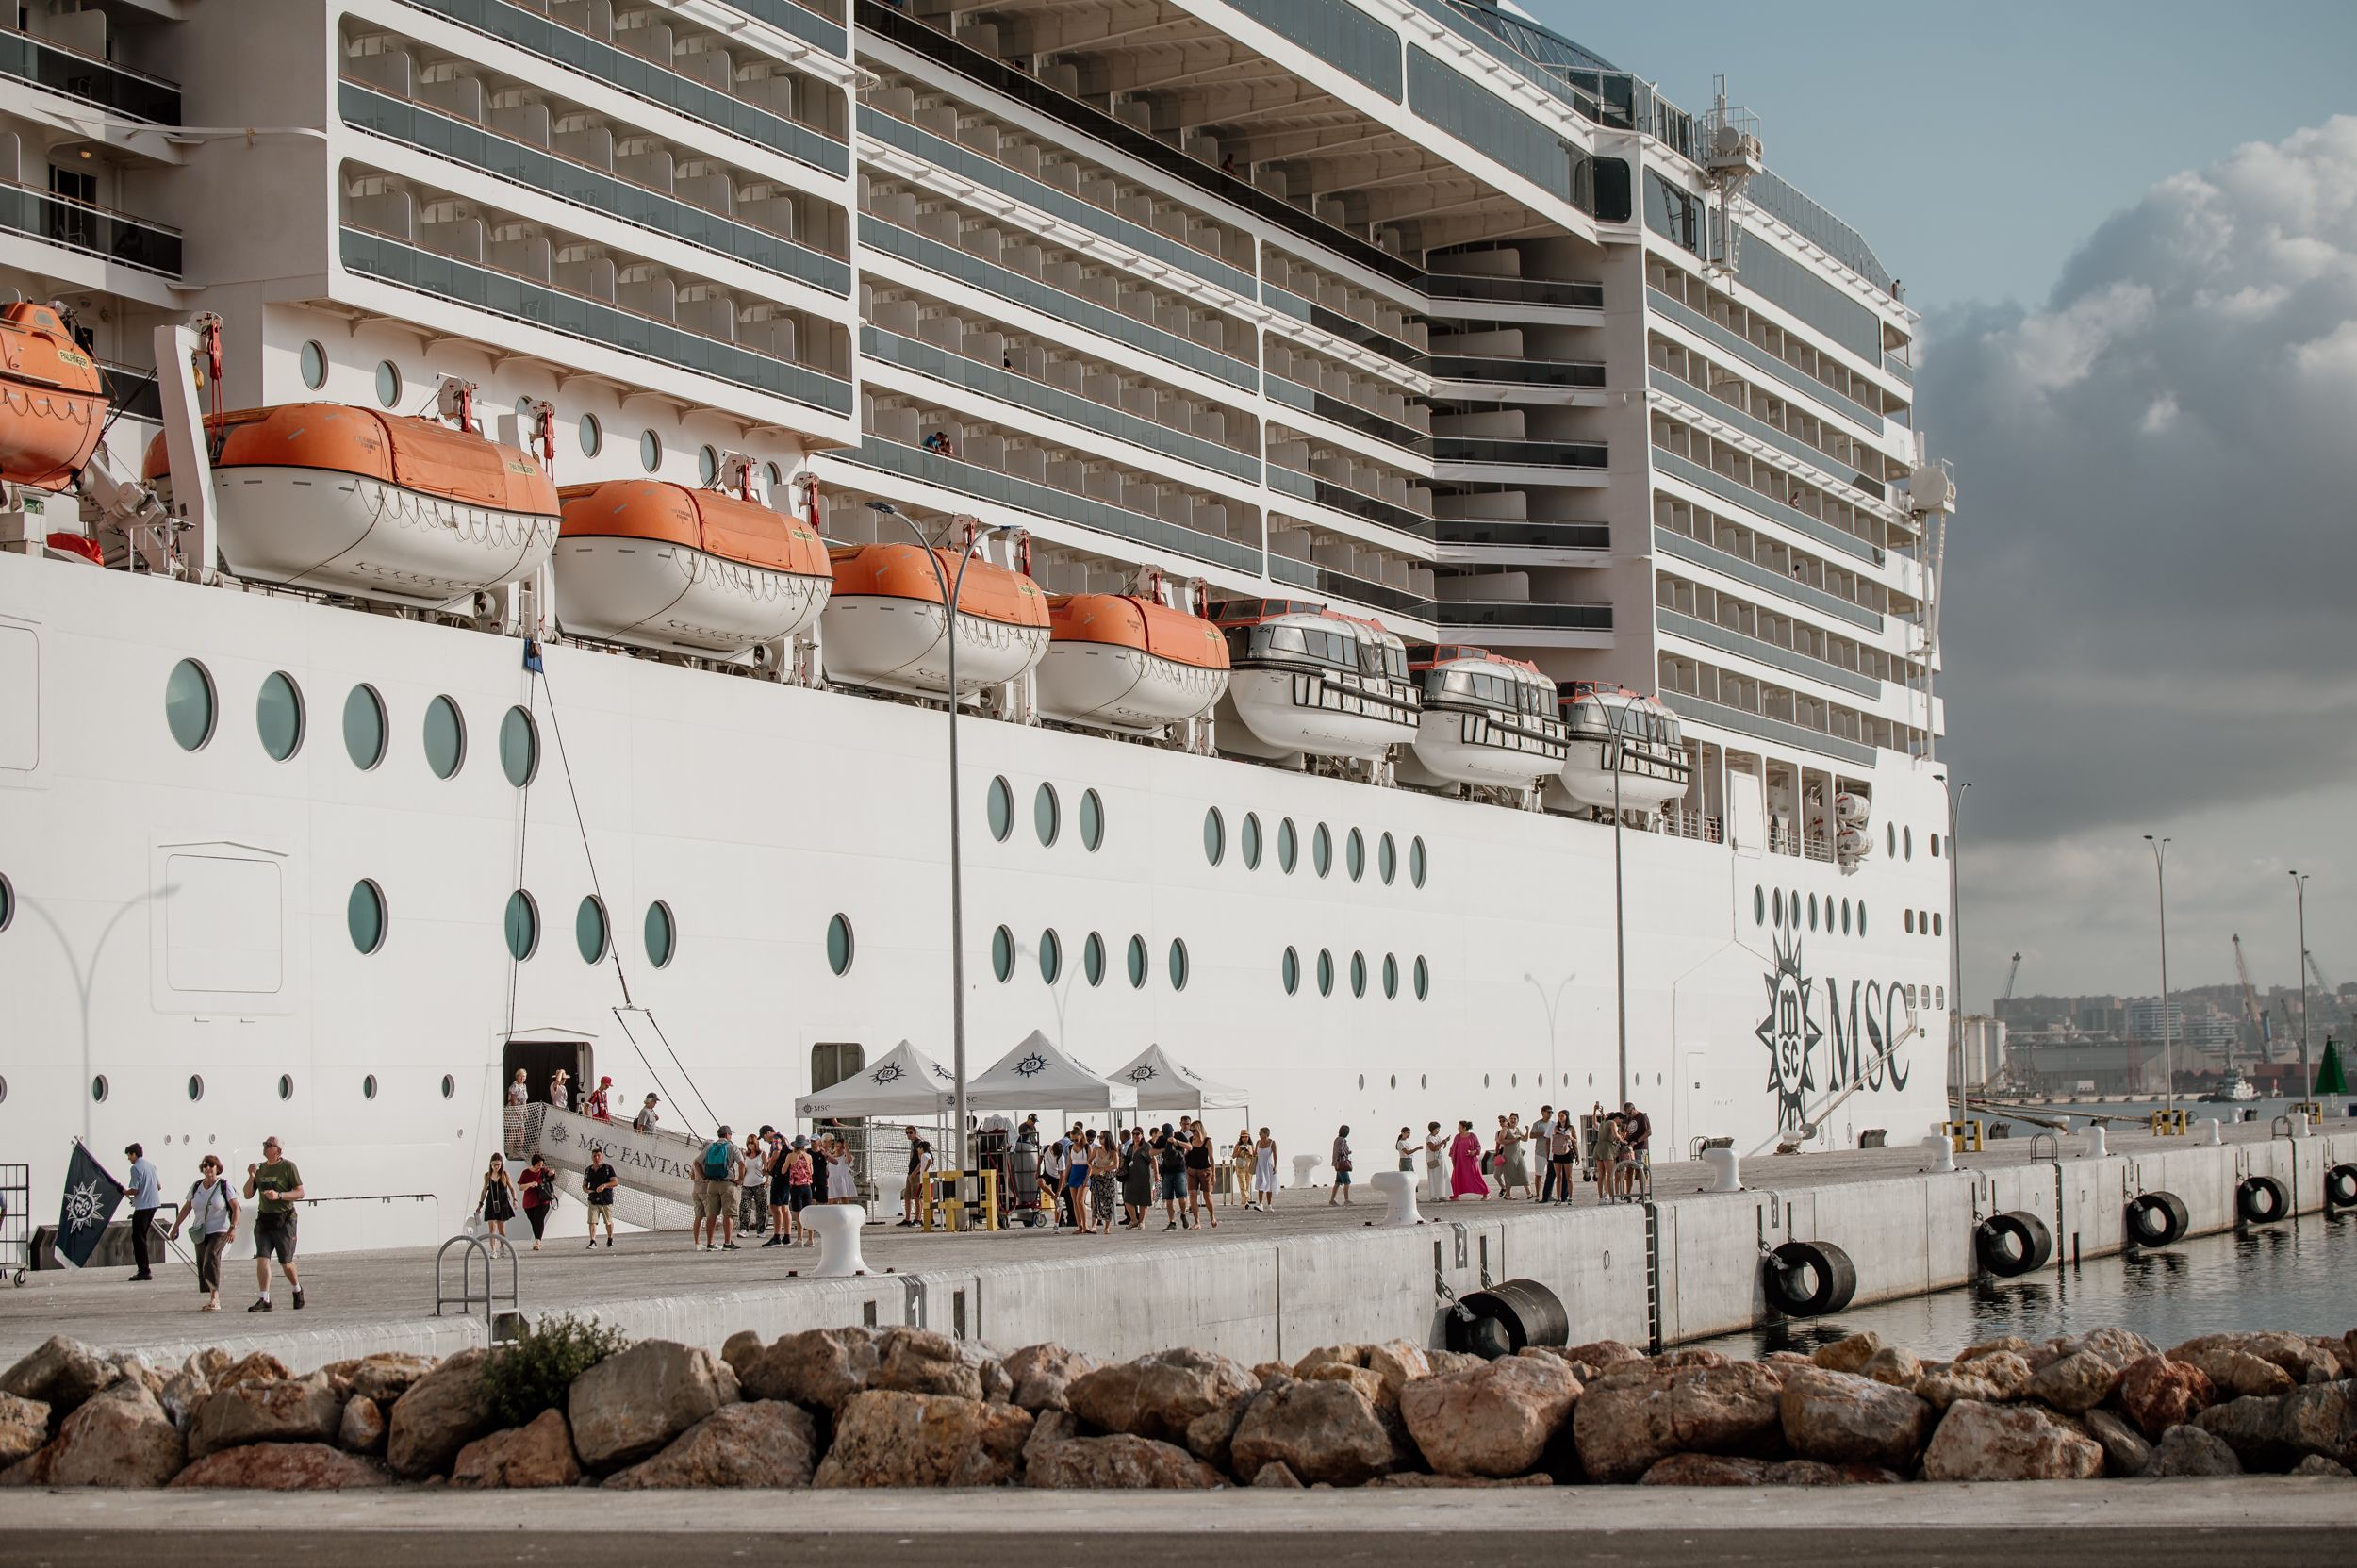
[{"x": 717, "y": 1159}]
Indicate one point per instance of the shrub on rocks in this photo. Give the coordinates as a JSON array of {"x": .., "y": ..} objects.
[
  {"x": 1493, "y": 1420},
  {"x": 629, "y": 1405},
  {"x": 882, "y": 1438},
  {"x": 537, "y": 1373},
  {"x": 766, "y": 1442},
  {"x": 1119, "y": 1462},
  {"x": 1842, "y": 1418},
  {"x": 1978, "y": 1441},
  {"x": 540, "y": 1453},
  {"x": 283, "y": 1467}
]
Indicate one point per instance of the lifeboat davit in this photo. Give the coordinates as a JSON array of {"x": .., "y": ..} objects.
[
  {"x": 345, "y": 500},
  {"x": 1486, "y": 721},
  {"x": 884, "y": 626},
  {"x": 53, "y": 403},
  {"x": 657, "y": 565},
  {"x": 1617, "y": 735},
  {"x": 1306, "y": 680},
  {"x": 1121, "y": 662}
]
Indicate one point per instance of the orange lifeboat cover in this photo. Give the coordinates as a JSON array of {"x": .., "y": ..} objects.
[
  {"x": 53, "y": 403},
  {"x": 415, "y": 454},
  {"x": 900, "y": 571},
  {"x": 1129, "y": 620},
  {"x": 710, "y": 520}
]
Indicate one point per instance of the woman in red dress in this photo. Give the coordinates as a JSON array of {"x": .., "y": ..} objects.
[{"x": 1464, "y": 1158}]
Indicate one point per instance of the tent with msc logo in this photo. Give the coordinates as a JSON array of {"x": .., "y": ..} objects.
[{"x": 905, "y": 1083}]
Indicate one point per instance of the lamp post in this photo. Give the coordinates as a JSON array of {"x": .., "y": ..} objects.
[
  {"x": 2168, "y": 1052},
  {"x": 2299, "y": 892},
  {"x": 1956, "y": 946},
  {"x": 1619, "y": 909},
  {"x": 1551, "y": 1004},
  {"x": 950, "y": 590}
]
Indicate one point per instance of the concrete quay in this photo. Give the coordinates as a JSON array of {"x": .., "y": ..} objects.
[{"x": 1261, "y": 1286}]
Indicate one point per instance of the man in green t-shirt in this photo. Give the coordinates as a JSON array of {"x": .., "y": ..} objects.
[{"x": 277, "y": 1186}]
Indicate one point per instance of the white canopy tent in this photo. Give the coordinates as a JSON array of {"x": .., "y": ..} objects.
[
  {"x": 1036, "y": 1076},
  {"x": 903, "y": 1082},
  {"x": 1164, "y": 1083}
]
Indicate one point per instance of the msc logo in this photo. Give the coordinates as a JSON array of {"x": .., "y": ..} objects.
[{"x": 1791, "y": 1035}]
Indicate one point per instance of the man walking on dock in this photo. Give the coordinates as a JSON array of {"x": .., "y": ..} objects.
[
  {"x": 278, "y": 1186},
  {"x": 147, "y": 1196}
]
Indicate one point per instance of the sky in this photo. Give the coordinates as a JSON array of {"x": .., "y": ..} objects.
[{"x": 2132, "y": 230}]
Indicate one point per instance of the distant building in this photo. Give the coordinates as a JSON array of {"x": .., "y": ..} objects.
[
  {"x": 1982, "y": 1043},
  {"x": 2107, "y": 1066}
]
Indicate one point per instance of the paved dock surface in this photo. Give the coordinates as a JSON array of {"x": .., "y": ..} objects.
[{"x": 2253, "y": 1522}]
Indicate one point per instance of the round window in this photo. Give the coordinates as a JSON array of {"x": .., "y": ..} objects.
[
  {"x": 286, "y": 1086},
  {"x": 1861, "y": 916},
  {"x": 1355, "y": 854},
  {"x": 1812, "y": 912},
  {"x": 450, "y": 1086},
  {"x": 1891, "y": 839},
  {"x": 189, "y": 704},
  {"x": 592, "y": 435},
  {"x": 1002, "y": 955},
  {"x": 1050, "y": 955},
  {"x": 661, "y": 934},
  {"x": 196, "y": 1086},
  {"x": 8, "y": 901},
  {"x": 707, "y": 462},
  {"x": 278, "y": 714},
  {"x": 1287, "y": 846},
  {"x": 1178, "y": 964},
  {"x": 1415, "y": 861},
  {"x": 1322, "y": 850},
  {"x": 368, "y": 1087},
  {"x": 1248, "y": 840},
  {"x": 1845, "y": 917},
  {"x": 445, "y": 737},
  {"x": 98, "y": 1087},
  {"x": 1778, "y": 905},
  {"x": 1423, "y": 980},
  {"x": 649, "y": 450},
  {"x": 1289, "y": 969},
  {"x": 1214, "y": 836},
  {"x": 1136, "y": 957},
  {"x": 1906, "y": 921},
  {"x": 1907, "y": 841},
  {"x": 590, "y": 932},
  {"x": 998, "y": 802},
  {"x": 1391, "y": 976},
  {"x": 1387, "y": 859},
  {"x": 520, "y": 747},
  {"x": 364, "y": 915},
  {"x": 1357, "y": 974},
  {"x": 364, "y": 727},
  {"x": 839, "y": 945},
  {"x": 387, "y": 383},
  {"x": 1093, "y": 959},
  {"x": 1325, "y": 972},
  {"x": 1091, "y": 820},
  {"x": 1047, "y": 815},
  {"x": 314, "y": 360},
  {"x": 523, "y": 926}
]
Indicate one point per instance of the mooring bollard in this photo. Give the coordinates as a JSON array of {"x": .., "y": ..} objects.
[
  {"x": 2095, "y": 1150},
  {"x": 2211, "y": 1134},
  {"x": 1725, "y": 1170},
  {"x": 1303, "y": 1165},
  {"x": 1398, "y": 1189},
  {"x": 1941, "y": 1148},
  {"x": 838, "y": 1226}
]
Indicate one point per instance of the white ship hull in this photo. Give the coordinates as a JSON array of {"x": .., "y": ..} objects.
[
  {"x": 1283, "y": 713},
  {"x": 651, "y": 595},
  {"x": 1110, "y": 687}
]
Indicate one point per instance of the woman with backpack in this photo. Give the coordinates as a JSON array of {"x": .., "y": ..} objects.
[{"x": 539, "y": 1189}]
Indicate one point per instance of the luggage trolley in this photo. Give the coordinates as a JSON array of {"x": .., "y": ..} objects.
[{"x": 16, "y": 1221}]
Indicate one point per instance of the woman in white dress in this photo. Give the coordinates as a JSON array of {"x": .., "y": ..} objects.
[
  {"x": 842, "y": 1180},
  {"x": 1435, "y": 1163},
  {"x": 1265, "y": 1172}
]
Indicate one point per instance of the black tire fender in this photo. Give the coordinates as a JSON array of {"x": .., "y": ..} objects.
[
  {"x": 2156, "y": 1219},
  {"x": 2010, "y": 1244},
  {"x": 2262, "y": 1201},
  {"x": 1809, "y": 1278}
]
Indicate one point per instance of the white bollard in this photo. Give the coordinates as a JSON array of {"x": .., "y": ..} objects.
[
  {"x": 2301, "y": 1126},
  {"x": 1398, "y": 1189},
  {"x": 838, "y": 1226},
  {"x": 1942, "y": 1149},
  {"x": 1303, "y": 1165},
  {"x": 2095, "y": 1150},
  {"x": 2211, "y": 1134},
  {"x": 1725, "y": 1172}
]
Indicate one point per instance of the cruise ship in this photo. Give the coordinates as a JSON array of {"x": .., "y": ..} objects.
[{"x": 1448, "y": 606}]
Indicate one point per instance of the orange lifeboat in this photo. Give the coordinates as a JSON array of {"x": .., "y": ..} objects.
[
  {"x": 1122, "y": 661},
  {"x": 53, "y": 403},
  {"x": 322, "y": 495},
  {"x": 884, "y": 626},
  {"x": 648, "y": 562}
]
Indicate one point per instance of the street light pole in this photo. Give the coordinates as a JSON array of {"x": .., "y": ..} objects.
[
  {"x": 2169, "y": 1037},
  {"x": 1551, "y": 1004},
  {"x": 1619, "y": 908},
  {"x": 1956, "y": 946},
  {"x": 2300, "y": 892}
]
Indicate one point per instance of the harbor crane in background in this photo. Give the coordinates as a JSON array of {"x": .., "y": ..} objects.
[
  {"x": 2317, "y": 975},
  {"x": 2011, "y": 975},
  {"x": 2251, "y": 1006}
]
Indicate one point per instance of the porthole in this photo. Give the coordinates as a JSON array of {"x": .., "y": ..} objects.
[
  {"x": 1000, "y": 803},
  {"x": 445, "y": 737},
  {"x": 1248, "y": 840},
  {"x": 1050, "y": 956},
  {"x": 286, "y": 1086},
  {"x": 314, "y": 362},
  {"x": 1287, "y": 846},
  {"x": 278, "y": 716},
  {"x": 1845, "y": 917},
  {"x": 1423, "y": 980},
  {"x": 450, "y": 1086},
  {"x": 8, "y": 901},
  {"x": 1355, "y": 854},
  {"x": 1395, "y": 1080},
  {"x": 1357, "y": 974},
  {"x": 840, "y": 947},
  {"x": 1391, "y": 977},
  {"x": 707, "y": 462},
  {"x": 1906, "y": 840},
  {"x": 364, "y": 727},
  {"x": 1322, "y": 851},
  {"x": 1093, "y": 959},
  {"x": 1178, "y": 964},
  {"x": 364, "y": 915},
  {"x": 592, "y": 435},
  {"x": 520, "y": 747},
  {"x": 196, "y": 1086},
  {"x": 1935, "y": 846},
  {"x": 1002, "y": 955},
  {"x": 1362, "y": 1080},
  {"x": 1325, "y": 972},
  {"x": 1939, "y": 924},
  {"x": 649, "y": 450},
  {"x": 1760, "y": 905},
  {"x": 1778, "y": 906},
  {"x": 1861, "y": 916},
  {"x": 523, "y": 925},
  {"x": 98, "y": 1087},
  {"x": 1906, "y": 918},
  {"x": 592, "y": 933},
  {"x": 368, "y": 1087},
  {"x": 1416, "y": 862},
  {"x": 387, "y": 383},
  {"x": 1137, "y": 962},
  {"x": 189, "y": 704},
  {"x": 1812, "y": 912},
  {"x": 1091, "y": 820},
  {"x": 1214, "y": 836},
  {"x": 1891, "y": 839},
  {"x": 661, "y": 934},
  {"x": 1046, "y": 813},
  {"x": 1386, "y": 859},
  {"x": 1289, "y": 969}
]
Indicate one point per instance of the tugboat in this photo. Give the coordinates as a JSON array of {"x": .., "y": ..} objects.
[
  {"x": 2231, "y": 1089},
  {"x": 1124, "y": 662},
  {"x": 1486, "y": 721},
  {"x": 1311, "y": 681}
]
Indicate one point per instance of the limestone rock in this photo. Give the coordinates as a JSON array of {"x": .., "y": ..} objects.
[
  {"x": 1495, "y": 1420},
  {"x": 442, "y": 1412},
  {"x": 1119, "y": 1462},
  {"x": 1672, "y": 1361},
  {"x": 32, "y": 1470},
  {"x": 1625, "y": 1422},
  {"x": 2185, "y": 1451},
  {"x": 768, "y": 1442},
  {"x": 1706, "y": 1470},
  {"x": 1330, "y": 1355},
  {"x": 1602, "y": 1353},
  {"x": 361, "y": 1428},
  {"x": 2158, "y": 1393},
  {"x": 1454, "y": 1361},
  {"x": 283, "y": 1409},
  {"x": 2117, "y": 1347},
  {"x": 918, "y": 1361},
  {"x": 1940, "y": 1390},
  {"x": 817, "y": 1369},
  {"x": 1049, "y": 1426},
  {"x": 1208, "y": 1436},
  {"x": 2012, "y": 1344},
  {"x": 2317, "y": 1464},
  {"x": 629, "y": 1405},
  {"x": 1158, "y": 1396},
  {"x": 60, "y": 1373},
  {"x": 1980, "y": 1442},
  {"x": 2297, "y": 1357},
  {"x": 2125, "y": 1450},
  {"x": 1322, "y": 1430},
  {"x": 1277, "y": 1476},
  {"x": 284, "y": 1468},
  {"x": 2074, "y": 1383},
  {"x": 383, "y": 1376},
  {"x": 1398, "y": 1364},
  {"x": 2322, "y": 1419},
  {"x": 2233, "y": 1373},
  {"x": 119, "y": 1437},
  {"x": 23, "y": 1428},
  {"x": 1817, "y": 1473},
  {"x": 1041, "y": 1375},
  {"x": 882, "y": 1438},
  {"x": 1840, "y": 1418},
  {"x": 1369, "y": 1383},
  {"x": 741, "y": 1352},
  {"x": 2341, "y": 1352},
  {"x": 259, "y": 1366},
  {"x": 1266, "y": 1372},
  {"x": 1787, "y": 1357},
  {"x": 540, "y": 1453},
  {"x": 1891, "y": 1366},
  {"x": 2253, "y": 1427},
  {"x": 1849, "y": 1355}
]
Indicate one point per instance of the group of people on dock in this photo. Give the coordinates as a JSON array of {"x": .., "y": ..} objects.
[{"x": 1614, "y": 1149}]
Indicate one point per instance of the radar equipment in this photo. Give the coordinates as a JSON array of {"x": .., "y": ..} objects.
[{"x": 1730, "y": 156}]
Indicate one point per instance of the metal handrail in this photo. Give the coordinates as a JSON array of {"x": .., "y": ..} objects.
[{"x": 465, "y": 1299}]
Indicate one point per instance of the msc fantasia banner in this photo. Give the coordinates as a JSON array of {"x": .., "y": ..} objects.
[
  {"x": 1865, "y": 1050},
  {"x": 661, "y": 1164}
]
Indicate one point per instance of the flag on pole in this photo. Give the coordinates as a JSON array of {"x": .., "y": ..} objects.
[{"x": 91, "y": 1197}]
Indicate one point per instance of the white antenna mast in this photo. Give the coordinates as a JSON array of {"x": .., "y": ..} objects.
[{"x": 1730, "y": 156}]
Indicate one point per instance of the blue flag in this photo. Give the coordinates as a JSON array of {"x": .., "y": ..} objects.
[{"x": 91, "y": 1197}]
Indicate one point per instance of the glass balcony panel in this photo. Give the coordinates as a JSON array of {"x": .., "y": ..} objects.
[
  {"x": 1545, "y": 535},
  {"x": 1489, "y": 449},
  {"x": 131, "y": 94},
  {"x": 1760, "y": 358},
  {"x": 1728, "y": 641},
  {"x": 1701, "y": 554},
  {"x": 1341, "y": 498},
  {"x": 803, "y": 23},
  {"x": 92, "y": 230},
  {"x": 1743, "y": 495},
  {"x": 1514, "y": 291}
]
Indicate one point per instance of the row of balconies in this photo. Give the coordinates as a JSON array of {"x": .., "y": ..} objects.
[
  {"x": 1347, "y": 482},
  {"x": 1699, "y": 305},
  {"x": 1766, "y": 561},
  {"x": 1738, "y": 476},
  {"x": 71, "y": 52},
  {"x": 1376, "y": 312},
  {"x": 1396, "y": 414},
  {"x": 1786, "y": 426},
  {"x": 1766, "y": 711},
  {"x": 1777, "y": 632}
]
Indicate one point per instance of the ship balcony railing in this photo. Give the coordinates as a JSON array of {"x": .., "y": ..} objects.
[
  {"x": 1729, "y": 489},
  {"x": 43, "y": 64},
  {"x": 1497, "y": 449},
  {"x": 1726, "y": 640},
  {"x": 91, "y": 229},
  {"x": 1834, "y": 466},
  {"x": 370, "y": 108},
  {"x": 1783, "y": 584},
  {"x": 559, "y": 44},
  {"x": 1350, "y": 416},
  {"x": 982, "y": 170},
  {"x": 132, "y": 392},
  {"x": 1899, "y": 368},
  {"x": 1341, "y": 497},
  {"x": 1348, "y": 328},
  {"x": 1037, "y": 294},
  {"x": 1532, "y": 614},
  {"x": 1049, "y": 501},
  {"x": 1760, "y": 726},
  {"x": 1327, "y": 583},
  {"x": 941, "y": 364},
  {"x": 814, "y": 27},
  {"x": 1675, "y": 822},
  {"x": 1514, "y": 291},
  {"x": 1693, "y": 321},
  {"x": 542, "y": 303},
  {"x": 1520, "y": 372},
  {"x": 1511, "y": 533}
]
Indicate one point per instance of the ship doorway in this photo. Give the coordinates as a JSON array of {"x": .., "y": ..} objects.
[
  {"x": 540, "y": 1061},
  {"x": 831, "y": 1062}
]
